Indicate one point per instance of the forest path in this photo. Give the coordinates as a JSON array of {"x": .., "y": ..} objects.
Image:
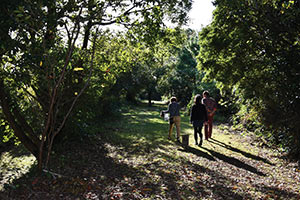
[{"x": 131, "y": 158}]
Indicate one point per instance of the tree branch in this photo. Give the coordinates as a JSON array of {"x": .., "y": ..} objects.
[
  {"x": 76, "y": 31},
  {"x": 4, "y": 100},
  {"x": 75, "y": 100}
]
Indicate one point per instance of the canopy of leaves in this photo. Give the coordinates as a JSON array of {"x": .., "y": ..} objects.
[
  {"x": 180, "y": 75},
  {"x": 43, "y": 69},
  {"x": 252, "y": 49}
]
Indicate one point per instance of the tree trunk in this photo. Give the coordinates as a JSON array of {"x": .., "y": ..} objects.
[
  {"x": 87, "y": 35},
  {"x": 19, "y": 131},
  {"x": 149, "y": 98}
]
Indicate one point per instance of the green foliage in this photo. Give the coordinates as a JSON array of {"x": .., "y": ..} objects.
[
  {"x": 133, "y": 154},
  {"x": 7, "y": 136},
  {"x": 251, "y": 48},
  {"x": 127, "y": 67},
  {"x": 14, "y": 164},
  {"x": 44, "y": 70},
  {"x": 180, "y": 73},
  {"x": 6, "y": 133}
]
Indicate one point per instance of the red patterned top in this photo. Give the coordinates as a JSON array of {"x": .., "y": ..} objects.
[{"x": 210, "y": 104}]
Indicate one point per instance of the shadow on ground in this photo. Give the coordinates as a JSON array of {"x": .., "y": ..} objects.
[
  {"x": 246, "y": 154},
  {"x": 132, "y": 159}
]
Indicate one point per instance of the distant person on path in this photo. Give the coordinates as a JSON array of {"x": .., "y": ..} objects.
[
  {"x": 198, "y": 117},
  {"x": 174, "y": 111},
  {"x": 211, "y": 107}
]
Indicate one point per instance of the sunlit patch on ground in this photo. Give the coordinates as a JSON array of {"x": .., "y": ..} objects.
[
  {"x": 132, "y": 158},
  {"x": 13, "y": 167}
]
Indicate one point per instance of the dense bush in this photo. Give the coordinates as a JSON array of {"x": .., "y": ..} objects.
[{"x": 252, "y": 50}]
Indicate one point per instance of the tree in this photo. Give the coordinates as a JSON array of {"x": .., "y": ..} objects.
[
  {"x": 43, "y": 71},
  {"x": 157, "y": 56},
  {"x": 133, "y": 65},
  {"x": 181, "y": 74},
  {"x": 252, "y": 50}
]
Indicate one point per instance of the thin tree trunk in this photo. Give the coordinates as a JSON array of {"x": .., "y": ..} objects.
[
  {"x": 149, "y": 98},
  {"x": 18, "y": 130}
]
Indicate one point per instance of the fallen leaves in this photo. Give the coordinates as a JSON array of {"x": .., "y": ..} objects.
[{"x": 218, "y": 170}]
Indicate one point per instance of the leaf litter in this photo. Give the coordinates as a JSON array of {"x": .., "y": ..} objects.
[{"x": 227, "y": 167}]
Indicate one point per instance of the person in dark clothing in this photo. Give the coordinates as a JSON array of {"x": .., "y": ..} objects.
[
  {"x": 174, "y": 111},
  {"x": 198, "y": 117}
]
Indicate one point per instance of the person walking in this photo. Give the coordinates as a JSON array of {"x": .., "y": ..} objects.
[
  {"x": 211, "y": 107},
  {"x": 197, "y": 118},
  {"x": 174, "y": 111}
]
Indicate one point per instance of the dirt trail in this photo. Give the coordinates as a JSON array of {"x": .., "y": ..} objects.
[{"x": 133, "y": 159}]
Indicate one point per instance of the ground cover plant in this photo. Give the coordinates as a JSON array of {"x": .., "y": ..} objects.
[{"x": 131, "y": 158}]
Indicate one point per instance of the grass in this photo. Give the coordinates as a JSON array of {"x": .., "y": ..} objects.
[
  {"x": 131, "y": 158},
  {"x": 142, "y": 126},
  {"x": 13, "y": 165}
]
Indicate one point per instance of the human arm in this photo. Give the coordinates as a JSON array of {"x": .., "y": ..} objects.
[
  {"x": 168, "y": 110},
  {"x": 214, "y": 108},
  {"x": 165, "y": 111},
  {"x": 212, "y": 112},
  {"x": 192, "y": 115},
  {"x": 211, "y": 106},
  {"x": 205, "y": 113}
]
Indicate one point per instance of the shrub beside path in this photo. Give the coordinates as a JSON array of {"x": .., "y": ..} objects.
[{"x": 131, "y": 158}]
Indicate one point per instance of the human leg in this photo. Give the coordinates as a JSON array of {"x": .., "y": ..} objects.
[
  {"x": 206, "y": 131},
  {"x": 210, "y": 126},
  {"x": 177, "y": 121},
  {"x": 198, "y": 130},
  {"x": 171, "y": 125},
  {"x": 196, "y": 135},
  {"x": 200, "y": 134}
]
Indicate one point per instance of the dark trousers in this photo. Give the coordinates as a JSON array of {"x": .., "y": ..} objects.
[{"x": 198, "y": 130}]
